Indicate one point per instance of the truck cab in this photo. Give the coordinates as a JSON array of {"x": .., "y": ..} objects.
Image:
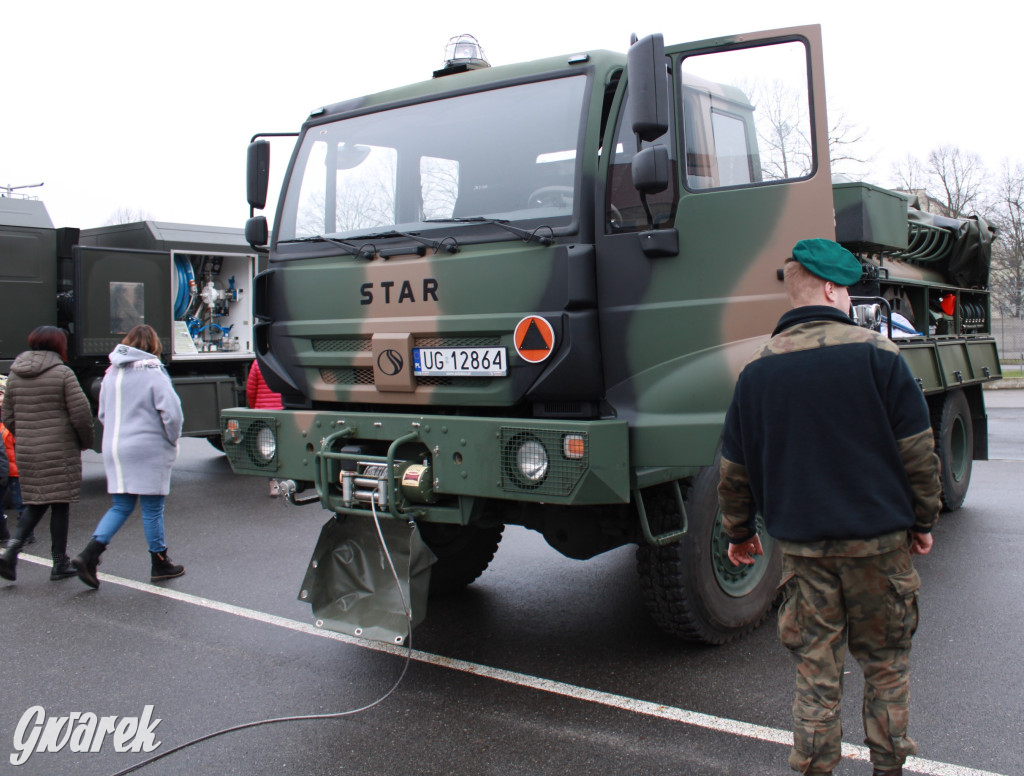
[{"x": 522, "y": 295}]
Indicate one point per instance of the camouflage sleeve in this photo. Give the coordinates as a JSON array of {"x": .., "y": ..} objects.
[
  {"x": 736, "y": 502},
  {"x": 922, "y": 465}
]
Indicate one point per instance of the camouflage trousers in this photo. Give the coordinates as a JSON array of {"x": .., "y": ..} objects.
[{"x": 871, "y": 604}]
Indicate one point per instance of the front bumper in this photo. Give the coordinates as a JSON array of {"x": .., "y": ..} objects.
[{"x": 418, "y": 466}]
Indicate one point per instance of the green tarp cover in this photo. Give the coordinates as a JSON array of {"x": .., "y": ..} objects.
[
  {"x": 970, "y": 256},
  {"x": 351, "y": 585}
]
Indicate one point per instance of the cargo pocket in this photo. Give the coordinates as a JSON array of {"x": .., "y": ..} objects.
[
  {"x": 790, "y": 633},
  {"x": 902, "y": 608}
]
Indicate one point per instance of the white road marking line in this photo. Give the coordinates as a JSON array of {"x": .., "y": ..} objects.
[{"x": 647, "y": 708}]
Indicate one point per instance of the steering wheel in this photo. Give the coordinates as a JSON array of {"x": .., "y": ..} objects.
[{"x": 551, "y": 196}]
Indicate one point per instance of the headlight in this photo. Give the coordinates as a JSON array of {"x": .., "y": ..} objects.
[
  {"x": 532, "y": 461},
  {"x": 266, "y": 444}
]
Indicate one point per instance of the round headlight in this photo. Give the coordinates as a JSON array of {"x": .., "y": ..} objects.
[
  {"x": 266, "y": 444},
  {"x": 532, "y": 460}
]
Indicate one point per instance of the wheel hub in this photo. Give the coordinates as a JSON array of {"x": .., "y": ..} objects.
[{"x": 738, "y": 581}]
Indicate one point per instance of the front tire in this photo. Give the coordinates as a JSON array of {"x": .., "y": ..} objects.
[
  {"x": 690, "y": 587},
  {"x": 463, "y": 553}
]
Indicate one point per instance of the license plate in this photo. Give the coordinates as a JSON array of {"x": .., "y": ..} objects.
[{"x": 460, "y": 362}]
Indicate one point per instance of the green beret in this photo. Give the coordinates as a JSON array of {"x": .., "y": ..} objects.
[{"x": 828, "y": 260}]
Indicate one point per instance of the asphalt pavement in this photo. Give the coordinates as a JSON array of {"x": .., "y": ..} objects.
[{"x": 545, "y": 665}]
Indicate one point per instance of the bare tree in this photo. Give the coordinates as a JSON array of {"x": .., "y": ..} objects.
[
  {"x": 127, "y": 215},
  {"x": 1007, "y": 274},
  {"x": 845, "y": 146},
  {"x": 959, "y": 176},
  {"x": 783, "y": 134},
  {"x": 782, "y": 130},
  {"x": 908, "y": 174},
  {"x": 439, "y": 186},
  {"x": 363, "y": 196}
]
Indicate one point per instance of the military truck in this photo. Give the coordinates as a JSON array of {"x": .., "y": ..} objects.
[
  {"x": 522, "y": 295},
  {"x": 191, "y": 283}
]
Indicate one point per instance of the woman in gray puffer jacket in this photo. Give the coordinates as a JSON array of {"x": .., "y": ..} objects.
[
  {"x": 142, "y": 420},
  {"x": 45, "y": 408}
]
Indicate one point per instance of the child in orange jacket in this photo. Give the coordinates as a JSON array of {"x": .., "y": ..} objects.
[{"x": 13, "y": 484}]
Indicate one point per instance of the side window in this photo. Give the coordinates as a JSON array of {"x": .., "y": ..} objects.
[
  {"x": 746, "y": 116},
  {"x": 625, "y": 211},
  {"x": 439, "y": 186},
  {"x": 731, "y": 144}
]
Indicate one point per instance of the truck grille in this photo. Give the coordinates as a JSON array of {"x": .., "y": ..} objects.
[
  {"x": 347, "y": 345},
  {"x": 457, "y": 342},
  {"x": 348, "y": 375}
]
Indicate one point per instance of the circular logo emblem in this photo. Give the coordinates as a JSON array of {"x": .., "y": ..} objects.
[
  {"x": 390, "y": 362},
  {"x": 534, "y": 339}
]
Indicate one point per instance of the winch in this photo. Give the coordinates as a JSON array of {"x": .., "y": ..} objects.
[{"x": 366, "y": 482}]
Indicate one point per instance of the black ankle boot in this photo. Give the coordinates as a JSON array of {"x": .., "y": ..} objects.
[
  {"x": 62, "y": 568},
  {"x": 9, "y": 559},
  {"x": 163, "y": 567},
  {"x": 85, "y": 563}
]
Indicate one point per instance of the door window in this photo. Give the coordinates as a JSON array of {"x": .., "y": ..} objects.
[{"x": 746, "y": 116}]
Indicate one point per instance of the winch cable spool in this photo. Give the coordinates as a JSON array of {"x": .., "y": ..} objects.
[{"x": 304, "y": 717}]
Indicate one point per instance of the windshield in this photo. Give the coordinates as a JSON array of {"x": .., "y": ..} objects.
[{"x": 507, "y": 154}]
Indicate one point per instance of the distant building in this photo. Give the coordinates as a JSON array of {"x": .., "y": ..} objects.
[{"x": 922, "y": 200}]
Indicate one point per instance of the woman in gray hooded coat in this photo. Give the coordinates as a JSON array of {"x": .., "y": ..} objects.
[
  {"x": 142, "y": 420},
  {"x": 45, "y": 408}
]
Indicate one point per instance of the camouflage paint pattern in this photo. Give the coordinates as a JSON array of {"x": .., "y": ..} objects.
[
  {"x": 865, "y": 602},
  {"x": 656, "y": 343},
  {"x": 667, "y": 336}
]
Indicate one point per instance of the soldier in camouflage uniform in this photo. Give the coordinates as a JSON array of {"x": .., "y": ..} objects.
[{"x": 828, "y": 437}]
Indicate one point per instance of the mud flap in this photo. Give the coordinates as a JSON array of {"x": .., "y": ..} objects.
[{"x": 350, "y": 584}]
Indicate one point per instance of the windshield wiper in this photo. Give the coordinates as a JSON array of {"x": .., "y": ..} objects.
[
  {"x": 526, "y": 234},
  {"x": 365, "y": 251},
  {"x": 448, "y": 244}
]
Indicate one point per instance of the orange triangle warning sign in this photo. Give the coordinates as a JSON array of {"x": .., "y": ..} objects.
[{"x": 534, "y": 339}]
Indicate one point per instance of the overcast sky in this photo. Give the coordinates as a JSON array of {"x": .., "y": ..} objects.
[{"x": 150, "y": 106}]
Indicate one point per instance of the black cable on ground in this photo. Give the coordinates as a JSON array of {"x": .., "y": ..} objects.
[{"x": 304, "y": 717}]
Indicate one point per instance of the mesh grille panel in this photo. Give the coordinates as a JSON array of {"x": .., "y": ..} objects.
[
  {"x": 246, "y": 455},
  {"x": 349, "y": 345},
  {"x": 523, "y": 447},
  {"x": 357, "y": 375},
  {"x": 457, "y": 342}
]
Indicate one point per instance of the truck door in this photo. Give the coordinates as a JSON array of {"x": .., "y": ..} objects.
[{"x": 688, "y": 281}]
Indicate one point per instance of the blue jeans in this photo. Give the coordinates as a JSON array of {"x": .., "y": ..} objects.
[{"x": 124, "y": 504}]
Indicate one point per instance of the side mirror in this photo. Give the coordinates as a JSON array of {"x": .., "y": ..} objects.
[
  {"x": 257, "y": 177},
  {"x": 257, "y": 233},
  {"x": 648, "y": 87},
  {"x": 651, "y": 170}
]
